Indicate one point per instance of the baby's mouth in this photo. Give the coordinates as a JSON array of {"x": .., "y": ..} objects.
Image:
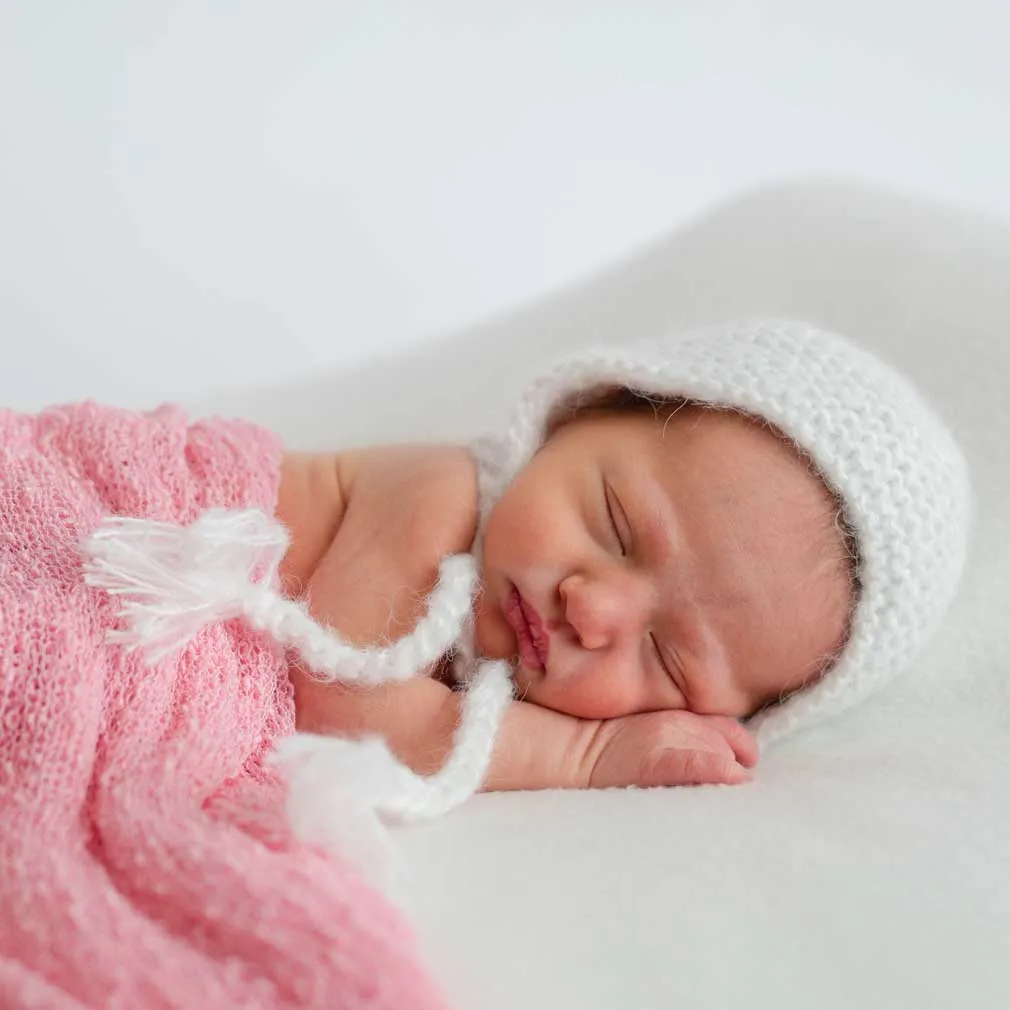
[{"x": 529, "y": 632}]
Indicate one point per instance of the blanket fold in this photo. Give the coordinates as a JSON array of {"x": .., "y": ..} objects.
[{"x": 146, "y": 859}]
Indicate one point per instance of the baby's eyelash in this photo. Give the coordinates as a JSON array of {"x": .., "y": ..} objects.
[
  {"x": 662, "y": 659},
  {"x": 613, "y": 521},
  {"x": 675, "y": 673}
]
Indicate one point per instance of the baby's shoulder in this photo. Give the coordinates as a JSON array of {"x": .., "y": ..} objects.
[
  {"x": 442, "y": 484},
  {"x": 429, "y": 493}
]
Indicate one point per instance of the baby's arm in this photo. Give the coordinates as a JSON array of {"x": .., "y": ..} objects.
[
  {"x": 537, "y": 748},
  {"x": 369, "y": 529}
]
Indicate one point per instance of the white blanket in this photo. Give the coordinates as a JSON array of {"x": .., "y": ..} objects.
[{"x": 865, "y": 865}]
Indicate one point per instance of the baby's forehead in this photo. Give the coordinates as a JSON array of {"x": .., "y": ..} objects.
[
  {"x": 794, "y": 565},
  {"x": 720, "y": 443},
  {"x": 731, "y": 457}
]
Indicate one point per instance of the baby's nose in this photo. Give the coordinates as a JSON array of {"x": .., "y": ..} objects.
[{"x": 601, "y": 609}]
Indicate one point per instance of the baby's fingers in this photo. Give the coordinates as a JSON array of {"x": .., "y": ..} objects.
[
  {"x": 683, "y": 767},
  {"x": 740, "y": 739}
]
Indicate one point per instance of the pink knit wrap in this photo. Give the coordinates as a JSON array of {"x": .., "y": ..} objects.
[{"x": 145, "y": 861}]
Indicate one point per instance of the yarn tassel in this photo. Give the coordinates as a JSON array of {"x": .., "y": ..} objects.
[{"x": 173, "y": 581}]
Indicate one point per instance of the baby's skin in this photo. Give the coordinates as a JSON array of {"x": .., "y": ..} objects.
[{"x": 653, "y": 576}]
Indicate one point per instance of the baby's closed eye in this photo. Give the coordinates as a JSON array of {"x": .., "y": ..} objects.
[{"x": 617, "y": 519}]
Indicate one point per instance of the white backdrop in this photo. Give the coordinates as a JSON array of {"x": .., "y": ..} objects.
[{"x": 198, "y": 196}]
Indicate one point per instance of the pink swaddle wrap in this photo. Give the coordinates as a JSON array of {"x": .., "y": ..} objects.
[{"x": 146, "y": 859}]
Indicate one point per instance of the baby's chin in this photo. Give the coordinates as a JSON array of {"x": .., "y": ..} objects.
[
  {"x": 533, "y": 687},
  {"x": 538, "y": 689},
  {"x": 525, "y": 682}
]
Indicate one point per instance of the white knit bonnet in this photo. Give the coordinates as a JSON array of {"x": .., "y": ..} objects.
[{"x": 900, "y": 477}]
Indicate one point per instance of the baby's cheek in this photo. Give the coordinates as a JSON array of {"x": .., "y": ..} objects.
[
  {"x": 615, "y": 694},
  {"x": 600, "y": 693}
]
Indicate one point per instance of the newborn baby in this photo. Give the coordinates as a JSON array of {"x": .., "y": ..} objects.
[
  {"x": 759, "y": 522},
  {"x": 670, "y": 539}
]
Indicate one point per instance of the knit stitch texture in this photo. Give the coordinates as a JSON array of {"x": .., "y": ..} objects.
[{"x": 146, "y": 859}]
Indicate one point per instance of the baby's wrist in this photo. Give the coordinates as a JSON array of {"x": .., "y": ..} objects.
[{"x": 538, "y": 748}]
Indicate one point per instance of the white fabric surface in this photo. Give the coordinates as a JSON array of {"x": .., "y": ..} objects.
[{"x": 865, "y": 866}]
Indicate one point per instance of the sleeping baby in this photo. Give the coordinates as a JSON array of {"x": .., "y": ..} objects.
[{"x": 682, "y": 549}]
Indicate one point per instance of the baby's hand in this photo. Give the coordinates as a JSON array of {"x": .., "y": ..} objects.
[{"x": 673, "y": 748}]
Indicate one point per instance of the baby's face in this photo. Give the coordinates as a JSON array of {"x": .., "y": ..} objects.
[{"x": 641, "y": 563}]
